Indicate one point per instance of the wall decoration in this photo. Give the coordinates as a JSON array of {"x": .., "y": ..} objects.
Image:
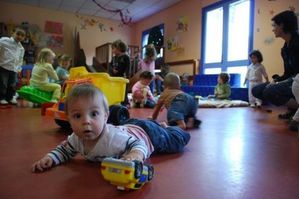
[
  {"x": 183, "y": 24},
  {"x": 54, "y": 41},
  {"x": 85, "y": 22},
  {"x": 292, "y": 8},
  {"x": 172, "y": 44},
  {"x": 101, "y": 27},
  {"x": 269, "y": 40},
  {"x": 272, "y": 12},
  {"x": 53, "y": 27},
  {"x": 126, "y": 20},
  {"x": 54, "y": 34}
]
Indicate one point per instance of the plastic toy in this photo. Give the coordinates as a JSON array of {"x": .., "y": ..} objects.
[
  {"x": 113, "y": 88},
  {"x": 34, "y": 95},
  {"x": 126, "y": 175}
]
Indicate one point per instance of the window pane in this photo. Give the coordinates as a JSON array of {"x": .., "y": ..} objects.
[
  {"x": 239, "y": 69},
  {"x": 144, "y": 43},
  {"x": 212, "y": 71},
  {"x": 238, "y": 33},
  {"x": 213, "y": 53}
]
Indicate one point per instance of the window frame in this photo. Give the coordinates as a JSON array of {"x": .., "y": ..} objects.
[{"x": 224, "y": 64}]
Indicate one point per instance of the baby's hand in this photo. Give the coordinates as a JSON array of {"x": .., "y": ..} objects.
[
  {"x": 44, "y": 163},
  {"x": 133, "y": 155}
]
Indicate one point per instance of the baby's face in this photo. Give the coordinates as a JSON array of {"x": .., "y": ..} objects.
[
  {"x": 145, "y": 81},
  {"x": 87, "y": 117},
  {"x": 65, "y": 64}
]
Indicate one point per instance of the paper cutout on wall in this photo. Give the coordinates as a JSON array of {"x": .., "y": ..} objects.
[
  {"x": 292, "y": 8},
  {"x": 172, "y": 43},
  {"x": 271, "y": 12},
  {"x": 269, "y": 40},
  {"x": 101, "y": 27},
  {"x": 85, "y": 22},
  {"x": 53, "y": 27},
  {"x": 183, "y": 24}
]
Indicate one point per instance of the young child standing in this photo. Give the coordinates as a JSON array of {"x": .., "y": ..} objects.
[
  {"x": 87, "y": 110},
  {"x": 11, "y": 57},
  {"x": 181, "y": 107},
  {"x": 148, "y": 63},
  {"x": 142, "y": 94},
  {"x": 42, "y": 71},
  {"x": 222, "y": 89},
  {"x": 64, "y": 62},
  {"x": 120, "y": 65},
  {"x": 255, "y": 73}
]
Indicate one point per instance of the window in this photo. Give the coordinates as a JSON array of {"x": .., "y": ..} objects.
[
  {"x": 227, "y": 37},
  {"x": 154, "y": 35}
]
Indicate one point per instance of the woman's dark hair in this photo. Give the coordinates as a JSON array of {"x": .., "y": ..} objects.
[
  {"x": 258, "y": 55},
  {"x": 224, "y": 77},
  {"x": 288, "y": 19}
]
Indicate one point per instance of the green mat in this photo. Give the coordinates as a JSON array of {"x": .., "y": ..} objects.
[{"x": 34, "y": 95}]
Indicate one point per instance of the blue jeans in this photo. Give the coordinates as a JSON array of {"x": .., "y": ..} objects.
[
  {"x": 277, "y": 94},
  {"x": 182, "y": 107},
  {"x": 8, "y": 80},
  {"x": 165, "y": 140}
]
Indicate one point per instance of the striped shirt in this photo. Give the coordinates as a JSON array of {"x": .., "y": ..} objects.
[{"x": 115, "y": 142}]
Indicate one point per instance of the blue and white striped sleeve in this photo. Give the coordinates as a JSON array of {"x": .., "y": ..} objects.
[
  {"x": 63, "y": 152},
  {"x": 137, "y": 144}
]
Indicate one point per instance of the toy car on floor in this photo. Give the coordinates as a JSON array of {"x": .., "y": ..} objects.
[
  {"x": 113, "y": 88},
  {"x": 126, "y": 175}
]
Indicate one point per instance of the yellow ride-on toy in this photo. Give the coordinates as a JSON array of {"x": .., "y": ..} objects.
[{"x": 113, "y": 88}]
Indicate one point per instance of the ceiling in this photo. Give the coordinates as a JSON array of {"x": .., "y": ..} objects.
[{"x": 136, "y": 9}]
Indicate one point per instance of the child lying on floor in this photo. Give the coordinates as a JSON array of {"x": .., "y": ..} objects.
[{"x": 87, "y": 110}]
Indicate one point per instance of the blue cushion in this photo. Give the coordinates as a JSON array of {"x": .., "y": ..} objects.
[{"x": 204, "y": 85}]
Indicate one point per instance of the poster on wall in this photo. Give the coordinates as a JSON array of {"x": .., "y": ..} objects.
[
  {"x": 183, "y": 24},
  {"x": 54, "y": 41},
  {"x": 53, "y": 27},
  {"x": 54, "y": 34}
]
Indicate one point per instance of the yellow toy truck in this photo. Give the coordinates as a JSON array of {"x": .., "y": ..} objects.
[{"x": 126, "y": 175}]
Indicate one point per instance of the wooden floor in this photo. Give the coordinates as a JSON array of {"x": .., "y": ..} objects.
[{"x": 237, "y": 153}]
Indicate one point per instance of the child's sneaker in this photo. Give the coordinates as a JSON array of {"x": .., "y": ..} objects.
[
  {"x": 13, "y": 101},
  {"x": 3, "y": 102}
]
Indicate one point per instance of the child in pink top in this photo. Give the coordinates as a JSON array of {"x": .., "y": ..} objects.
[
  {"x": 148, "y": 63},
  {"x": 142, "y": 95}
]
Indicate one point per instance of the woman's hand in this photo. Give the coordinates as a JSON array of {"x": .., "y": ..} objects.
[{"x": 43, "y": 164}]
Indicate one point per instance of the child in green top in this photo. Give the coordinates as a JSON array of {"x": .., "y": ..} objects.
[{"x": 222, "y": 89}]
